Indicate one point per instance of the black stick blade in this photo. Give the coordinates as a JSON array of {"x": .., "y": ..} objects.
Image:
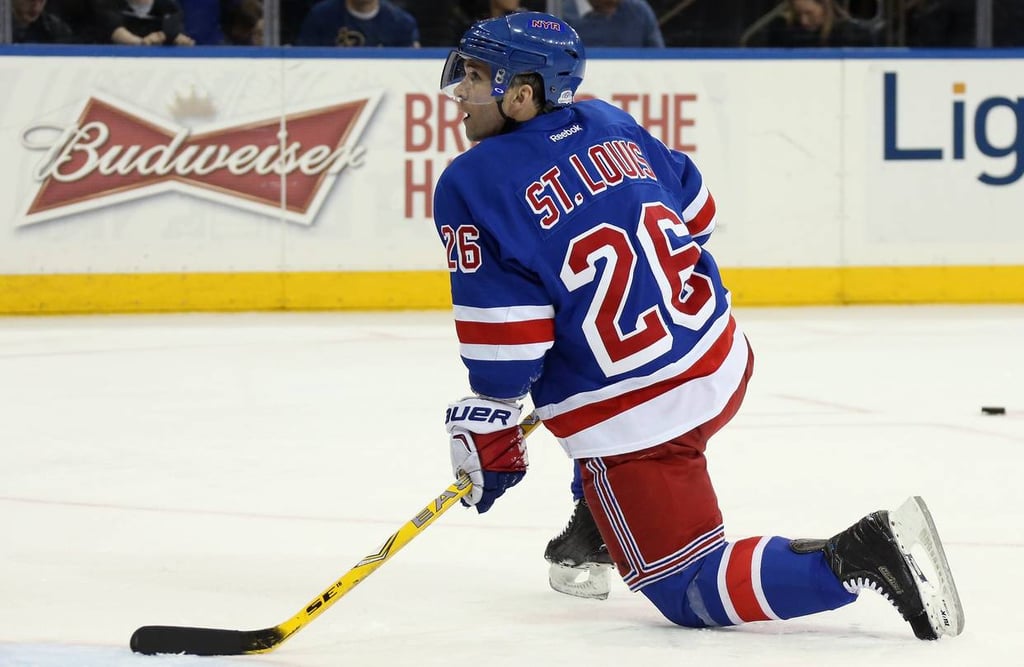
[{"x": 153, "y": 639}]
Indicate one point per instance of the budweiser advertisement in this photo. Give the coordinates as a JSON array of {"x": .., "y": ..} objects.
[{"x": 281, "y": 165}]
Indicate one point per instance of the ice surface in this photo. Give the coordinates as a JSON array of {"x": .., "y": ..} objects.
[{"x": 222, "y": 470}]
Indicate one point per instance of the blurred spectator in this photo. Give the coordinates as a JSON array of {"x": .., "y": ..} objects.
[
  {"x": 243, "y": 23},
  {"x": 808, "y": 23},
  {"x": 31, "y": 23},
  {"x": 627, "y": 23},
  {"x": 202, "y": 20},
  {"x": 358, "y": 23},
  {"x": 141, "y": 22}
]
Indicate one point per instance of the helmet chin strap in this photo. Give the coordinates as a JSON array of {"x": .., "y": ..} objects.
[{"x": 510, "y": 123}]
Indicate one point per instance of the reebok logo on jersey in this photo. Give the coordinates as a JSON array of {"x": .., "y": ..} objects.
[{"x": 566, "y": 133}]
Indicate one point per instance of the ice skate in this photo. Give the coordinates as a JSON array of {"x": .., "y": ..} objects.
[
  {"x": 898, "y": 554},
  {"x": 580, "y": 562}
]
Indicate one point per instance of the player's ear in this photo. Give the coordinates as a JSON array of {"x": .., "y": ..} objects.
[
  {"x": 523, "y": 97},
  {"x": 527, "y": 91}
]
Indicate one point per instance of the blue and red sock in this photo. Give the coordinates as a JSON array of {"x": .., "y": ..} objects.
[{"x": 753, "y": 579}]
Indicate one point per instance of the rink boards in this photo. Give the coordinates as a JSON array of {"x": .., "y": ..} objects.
[{"x": 302, "y": 179}]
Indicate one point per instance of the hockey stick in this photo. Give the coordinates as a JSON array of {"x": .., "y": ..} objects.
[{"x": 152, "y": 639}]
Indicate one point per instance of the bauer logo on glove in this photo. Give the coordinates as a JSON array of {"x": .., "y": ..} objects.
[{"x": 480, "y": 414}]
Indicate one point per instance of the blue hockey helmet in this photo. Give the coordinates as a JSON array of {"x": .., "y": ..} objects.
[{"x": 522, "y": 43}]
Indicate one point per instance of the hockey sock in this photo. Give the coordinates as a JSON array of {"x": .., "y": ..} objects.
[
  {"x": 577, "y": 481},
  {"x": 754, "y": 579}
]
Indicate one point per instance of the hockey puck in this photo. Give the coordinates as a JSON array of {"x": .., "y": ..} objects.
[{"x": 992, "y": 410}]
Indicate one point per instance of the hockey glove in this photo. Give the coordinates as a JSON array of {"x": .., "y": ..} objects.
[{"x": 486, "y": 444}]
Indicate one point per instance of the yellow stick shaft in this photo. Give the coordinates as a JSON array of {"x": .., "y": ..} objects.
[{"x": 365, "y": 567}]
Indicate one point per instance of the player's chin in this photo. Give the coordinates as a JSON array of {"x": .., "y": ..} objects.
[{"x": 476, "y": 132}]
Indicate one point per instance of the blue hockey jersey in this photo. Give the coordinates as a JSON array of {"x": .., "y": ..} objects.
[{"x": 578, "y": 275}]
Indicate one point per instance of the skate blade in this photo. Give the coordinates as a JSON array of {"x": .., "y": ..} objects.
[
  {"x": 919, "y": 541},
  {"x": 590, "y": 580}
]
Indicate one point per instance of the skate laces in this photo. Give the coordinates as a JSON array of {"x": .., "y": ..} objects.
[
  {"x": 857, "y": 584},
  {"x": 572, "y": 522},
  {"x": 860, "y": 583}
]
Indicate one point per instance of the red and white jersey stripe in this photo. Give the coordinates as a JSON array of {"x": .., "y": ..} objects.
[
  {"x": 739, "y": 582},
  {"x": 641, "y": 412},
  {"x": 508, "y": 333},
  {"x": 699, "y": 215}
]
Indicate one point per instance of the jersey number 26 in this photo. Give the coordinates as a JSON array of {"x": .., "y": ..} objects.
[{"x": 688, "y": 296}]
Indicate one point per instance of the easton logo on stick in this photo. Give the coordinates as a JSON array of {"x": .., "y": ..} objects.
[{"x": 282, "y": 166}]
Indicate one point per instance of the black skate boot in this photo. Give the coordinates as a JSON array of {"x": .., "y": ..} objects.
[
  {"x": 579, "y": 558},
  {"x": 876, "y": 553}
]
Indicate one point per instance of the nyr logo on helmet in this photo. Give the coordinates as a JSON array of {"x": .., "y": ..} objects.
[{"x": 546, "y": 25}]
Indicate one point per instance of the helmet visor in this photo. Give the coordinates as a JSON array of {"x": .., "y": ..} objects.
[{"x": 469, "y": 81}]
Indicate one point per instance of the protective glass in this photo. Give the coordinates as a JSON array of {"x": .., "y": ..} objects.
[{"x": 471, "y": 85}]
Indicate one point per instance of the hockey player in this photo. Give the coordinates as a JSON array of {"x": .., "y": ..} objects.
[{"x": 575, "y": 242}]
